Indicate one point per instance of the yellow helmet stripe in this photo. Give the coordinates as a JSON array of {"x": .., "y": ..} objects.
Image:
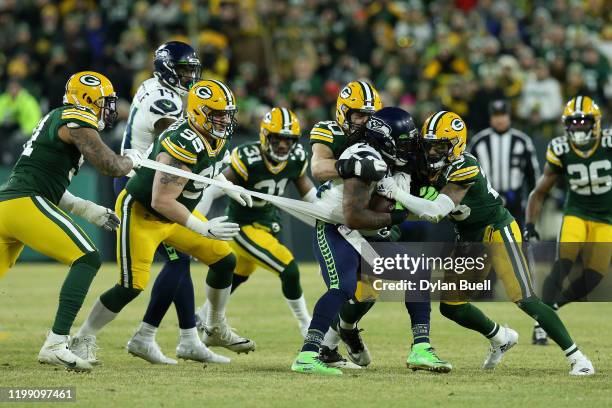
[
  {"x": 226, "y": 91},
  {"x": 433, "y": 122},
  {"x": 367, "y": 93}
]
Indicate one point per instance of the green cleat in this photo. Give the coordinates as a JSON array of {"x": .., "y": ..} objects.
[
  {"x": 308, "y": 362},
  {"x": 424, "y": 357}
]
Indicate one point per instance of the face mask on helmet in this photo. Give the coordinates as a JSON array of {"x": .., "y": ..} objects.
[
  {"x": 407, "y": 148},
  {"x": 108, "y": 112},
  {"x": 187, "y": 74},
  {"x": 220, "y": 124},
  {"x": 436, "y": 154},
  {"x": 279, "y": 147},
  {"x": 356, "y": 121},
  {"x": 580, "y": 130}
]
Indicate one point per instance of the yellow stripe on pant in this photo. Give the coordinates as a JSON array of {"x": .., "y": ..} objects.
[
  {"x": 39, "y": 224},
  {"x": 140, "y": 234},
  {"x": 254, "y": 247},
  {"x": 590, "y": 238}
]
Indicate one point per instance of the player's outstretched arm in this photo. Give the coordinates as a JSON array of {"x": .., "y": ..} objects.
[
  {"x": 536, "y": 198},
  {"x": 323, "y": 163},
  {"x": 306, "y": 188},
  {"x": 95, "y": 151},
  {"x": 92, "y": 212},
  {"x": 355, "y": 203}
]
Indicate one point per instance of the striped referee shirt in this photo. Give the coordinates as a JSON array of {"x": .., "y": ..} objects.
[{"x": 508, "y": 159}]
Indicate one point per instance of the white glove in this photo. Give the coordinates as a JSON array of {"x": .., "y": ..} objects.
[
  {"x": 387, "y": 187},
  {"x": 403, "y": 180},
  {"x": 242, "y": 197},
  {"x": 92, "y": 212},
  {"x": 216, "y": 228},
  {"x": 135, "y": 156}
]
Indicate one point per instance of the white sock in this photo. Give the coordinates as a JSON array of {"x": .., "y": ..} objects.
[
  {"x": 500, "y": 336},
  {"x": 189, "y": 335},
  {"x": 99, "y": 317},
  {"x": 347, "y": 326},
  {"x": 147, "y": 331},
  {"x": 298, "y": 308},
  {"x": 331, "y": 339},
  {"x": 217, "y": 299},
  {"x": 54, "y": 338},
  {"x": 575, "y": 356},
  {"x": 202, "y": 312}
]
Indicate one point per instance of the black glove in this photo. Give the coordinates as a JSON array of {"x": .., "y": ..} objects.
[
  {"x": 366, "y": 169},
  {"x": 530, "y": 233}
]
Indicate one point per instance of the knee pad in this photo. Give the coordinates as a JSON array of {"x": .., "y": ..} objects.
[
  {"x": 117, "y": 297},
  {"x": 91, "y": 259},
  {"x": 221, "y": 273},
  {"x": 290, "y": 281}
]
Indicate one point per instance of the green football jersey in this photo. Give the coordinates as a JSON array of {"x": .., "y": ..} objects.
[
  {"x": 47, "y": 164},
  {"x": 194, "y": 151},
  {"x": 588, "y": 176},
  {"x": 482, "y": 206},
  {"x": 329, "y": 133},
  {"x": 255, "y": 172}
]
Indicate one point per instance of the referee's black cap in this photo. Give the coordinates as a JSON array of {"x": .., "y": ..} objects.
[{"x": 499, "y": 107}]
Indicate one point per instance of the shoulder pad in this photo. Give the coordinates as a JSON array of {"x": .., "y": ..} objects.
[
  {"x": 324, "y": 132},
  {"x": 80, "y": 115},
  {"x": 178, "y": 144},
  {"x": 463, "y": 170},
  {"x": 555, "y": 150}
]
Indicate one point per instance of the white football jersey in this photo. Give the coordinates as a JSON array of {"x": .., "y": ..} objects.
[
  {"x": 331, "y": 193},
  {"x": 152, "y": 102}
]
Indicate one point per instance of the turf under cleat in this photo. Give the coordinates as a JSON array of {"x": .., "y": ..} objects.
[
  {"x": 55, "y": 351},
  {"x": 308, "y": 362},
  {"x": 497, "y": 351},
  {"x": 582, "y": 366},
  {"x": 85, "y": 347},
  {"x": 539, "y": 336},
  {"x": 199, "y": 352},
  {"x": 333, "y": 358},
  {"x": 223, "y": 336},
  {"x": 148, "y": 351},
  {"x": 357, "y": 350},
  {"x": 424, "y": 357}
]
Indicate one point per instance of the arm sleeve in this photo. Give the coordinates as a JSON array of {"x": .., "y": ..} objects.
[{"x": 430, "y": 210}]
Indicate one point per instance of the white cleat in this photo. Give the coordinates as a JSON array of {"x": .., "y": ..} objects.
[
  {"x": 85, "y": 347},
  {"x": 582, "y": 366},
  {"x": 55, "y": 351},
  {"x": 199, "y": 352},
  {"x": 497, "y": 351},
  {"x": 148, "y": 350},
  {"x": 222, "y": 335},
  {"x": 200, "y": 316}
]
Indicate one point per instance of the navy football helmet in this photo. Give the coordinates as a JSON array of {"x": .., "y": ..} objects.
[
  {"x": 177, "y": 65},
  {"x": 393, "y": 133}
]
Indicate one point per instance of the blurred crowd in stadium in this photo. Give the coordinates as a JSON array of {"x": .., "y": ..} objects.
[{"x": 421, "y": 55}]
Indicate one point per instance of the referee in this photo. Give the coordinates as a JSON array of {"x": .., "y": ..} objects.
[{"x": 508, "y": 158}]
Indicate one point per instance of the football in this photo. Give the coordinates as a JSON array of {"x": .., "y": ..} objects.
[{"x": 382, "y": 204}]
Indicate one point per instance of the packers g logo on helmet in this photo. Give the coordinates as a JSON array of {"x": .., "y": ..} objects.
[
  {"x": 211, "y": 108},
  {"x": 582, "y": 120},
  {"x": 444, "y": 137},
  {"x": 276, "y": 125},
  {"x": 94, "y": 91},
  {"x": 356, "y": 96}
]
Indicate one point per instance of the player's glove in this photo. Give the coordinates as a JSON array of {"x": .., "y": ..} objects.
[
  {"x": 216, "y": 228},
  {"x": 242, "y": 197},
  {"x": 365, "y": 169},
  {"x": 135, "y": 156},
  {"x": 387, "y": 187},
  {"x": 90, "y": 211},
  {"x": 530, "y": 233},
  {"x": 428, "y": 193}
]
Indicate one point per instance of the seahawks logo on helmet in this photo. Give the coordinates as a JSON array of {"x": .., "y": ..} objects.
[
  {"x": 204, "y": 92},
  {"x": 457, "y": 124},
  {"x": 346, "y": 92},
  {"x": 89, "y": 80},
  {"x": 378, "y": 125}
]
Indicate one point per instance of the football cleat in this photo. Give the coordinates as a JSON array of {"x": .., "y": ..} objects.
[
  {"x": 85, "y": 347},
  {"x": 497, "y": 351},
  {"x": 200, "y": 316},
  {"x": 357, "y": 350},
  {"x": 333, "y": 358},
  {"x": 148, "y": 351},
  {"x": 198, "y": 351},
  {"x": 55, "y": 351},
  {"x": 223, "y": 336},
  {"x": 308, "y": 362},
  {"x": 583, "y": 366},
  {"x": 424, "y": 357},
  {"x": 539, "y": 336}
]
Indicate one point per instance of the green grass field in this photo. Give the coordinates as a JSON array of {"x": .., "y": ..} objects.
[{"x": 529, "y": 376}]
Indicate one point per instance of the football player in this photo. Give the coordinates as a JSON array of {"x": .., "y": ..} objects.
[
  {"x": 582, "y": 158},
  {"x": 339, "y": 261},
  {"x": 267, "y": 166},
  {"x": 467, "y": 198},
  {"x": 157, "y": 104},
  {"x": 34, "y": 197},
  {"x": 158, "y": 207}
]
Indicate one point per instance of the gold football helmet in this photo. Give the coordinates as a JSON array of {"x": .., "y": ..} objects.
[
  {"x": 211, "y": 107},
  {"x": 278, "y": 133},
  {"x": 94, "y": 91},
  {"x": 356, "y": 96},
  {"x": 582, "y": 120},
  {"x": 444, "y": 137}
]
